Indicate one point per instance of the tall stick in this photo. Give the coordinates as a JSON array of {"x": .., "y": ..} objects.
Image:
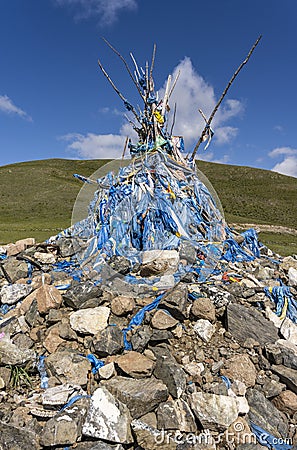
[
  {"x": 174, "y": 83},
  {"x": 153, "y": 61},
  {"x": 125, "y": 147},
  {"x": 165, "y": 99},
  {"x": 117, "y": 91},
  {"x": 222, "y": 97},
  {"x": 173, "y": 121},
  {"x": 125, "y": 63}
]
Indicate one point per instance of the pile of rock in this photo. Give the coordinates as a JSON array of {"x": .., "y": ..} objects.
[{"x": 210, "y": 363}]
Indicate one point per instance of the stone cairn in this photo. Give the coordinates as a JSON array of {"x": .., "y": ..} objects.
[{"x": 214, "y": 365}]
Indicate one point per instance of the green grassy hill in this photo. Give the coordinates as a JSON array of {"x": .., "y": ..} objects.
[{"x": 37, "y": 197}]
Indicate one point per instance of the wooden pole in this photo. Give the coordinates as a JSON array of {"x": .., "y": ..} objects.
[
  {"x": 153, "y": 61},
  {"x": 205, "y": 130},
  {"x": 117, "y": 91},
  {"x": 126, "y": 65}
]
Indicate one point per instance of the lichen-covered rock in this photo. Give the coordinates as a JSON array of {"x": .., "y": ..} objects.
[
  {"x": 12, "y": 293},
  {"x": 215, "y": 412},
  {"x": 66, "y": 426},
  {"x": 176, "y": 415},
  {"x": 162, "y": 320},
  {"x": 141, "y": 396},
  {"x": 11, "y": 354},
  {"x": 68, "y": 367},
  {"x": 241, "y": 368},
  {"x": 136, "y": 365},
  {"x": 109, "y": 341},
  {"x": 90, "y": 320},
  {"x": 108, "y": 418}
]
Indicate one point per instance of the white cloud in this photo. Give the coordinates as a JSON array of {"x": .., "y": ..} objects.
[
  {"x": 225, "y": 134},
  {"x": 288, "y": 166},
  {"x": 279, "y": 128},
  {"x": 191, "y": 93},
  {"x": 102, "y": 146},
  {"x": 210, "y": 157},
  {"x": 8, "y": 107},
  {"x": 106, "y": 10},
  {"x": 106, "y": 110},
  {"x": 279, "y": 151}
]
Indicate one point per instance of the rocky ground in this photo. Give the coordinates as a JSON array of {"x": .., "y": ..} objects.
[{"x": 208, "y": 364}]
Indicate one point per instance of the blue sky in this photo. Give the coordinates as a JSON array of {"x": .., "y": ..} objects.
[{"x": 55, "y": 102}]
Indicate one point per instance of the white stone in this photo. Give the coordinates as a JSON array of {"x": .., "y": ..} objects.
[
  {"x": 178, "y": 331},
  {"x": 288, "y": 262},
  {"x": 215, "y": 412},
  {"x": 239, "y": 388},
  {"x": 59, "y": 395},
  {"x": 28, "y": 242},
  {"x": 194, "y": 368},
  {"x": 292, "y": 275},
  {"x": 165, "y": 282},
  {"x": 90, "y": 320},
  {"x": 273, "y": 317},
  {"x": 166, "y": 260},
  {"x": 287, "y": 344},
  {"x": 250, "y": 281},
  {"x": 263, "y": 273},
  {"x": 2, "y": 383},
  {"x": 45, "y": 258},
  {"x": 108, "y": 418},
  {"x": 242, "y": 405},
  {"x": 185, "y": 359},
  {"x": 289, "y": 331},
  {"x": 204, "y": 329},
  {"x": 107, "y": 371},
  {"x": 12, "y": 293}
]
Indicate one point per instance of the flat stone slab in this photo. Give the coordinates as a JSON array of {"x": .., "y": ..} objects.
[
  {"x": 136, "y": 365},
  {"x": 12, "y": 437},
  {"x": 141, "y": 396},
  {"x": 264, "y": 414},
  {"x": 287, "y": 376},
  {"x": 244, "y": 323},
  {"x": 66, "y": 426}
]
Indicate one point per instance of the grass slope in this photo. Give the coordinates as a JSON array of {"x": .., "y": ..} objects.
[{"x": 37, "y": 197}]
